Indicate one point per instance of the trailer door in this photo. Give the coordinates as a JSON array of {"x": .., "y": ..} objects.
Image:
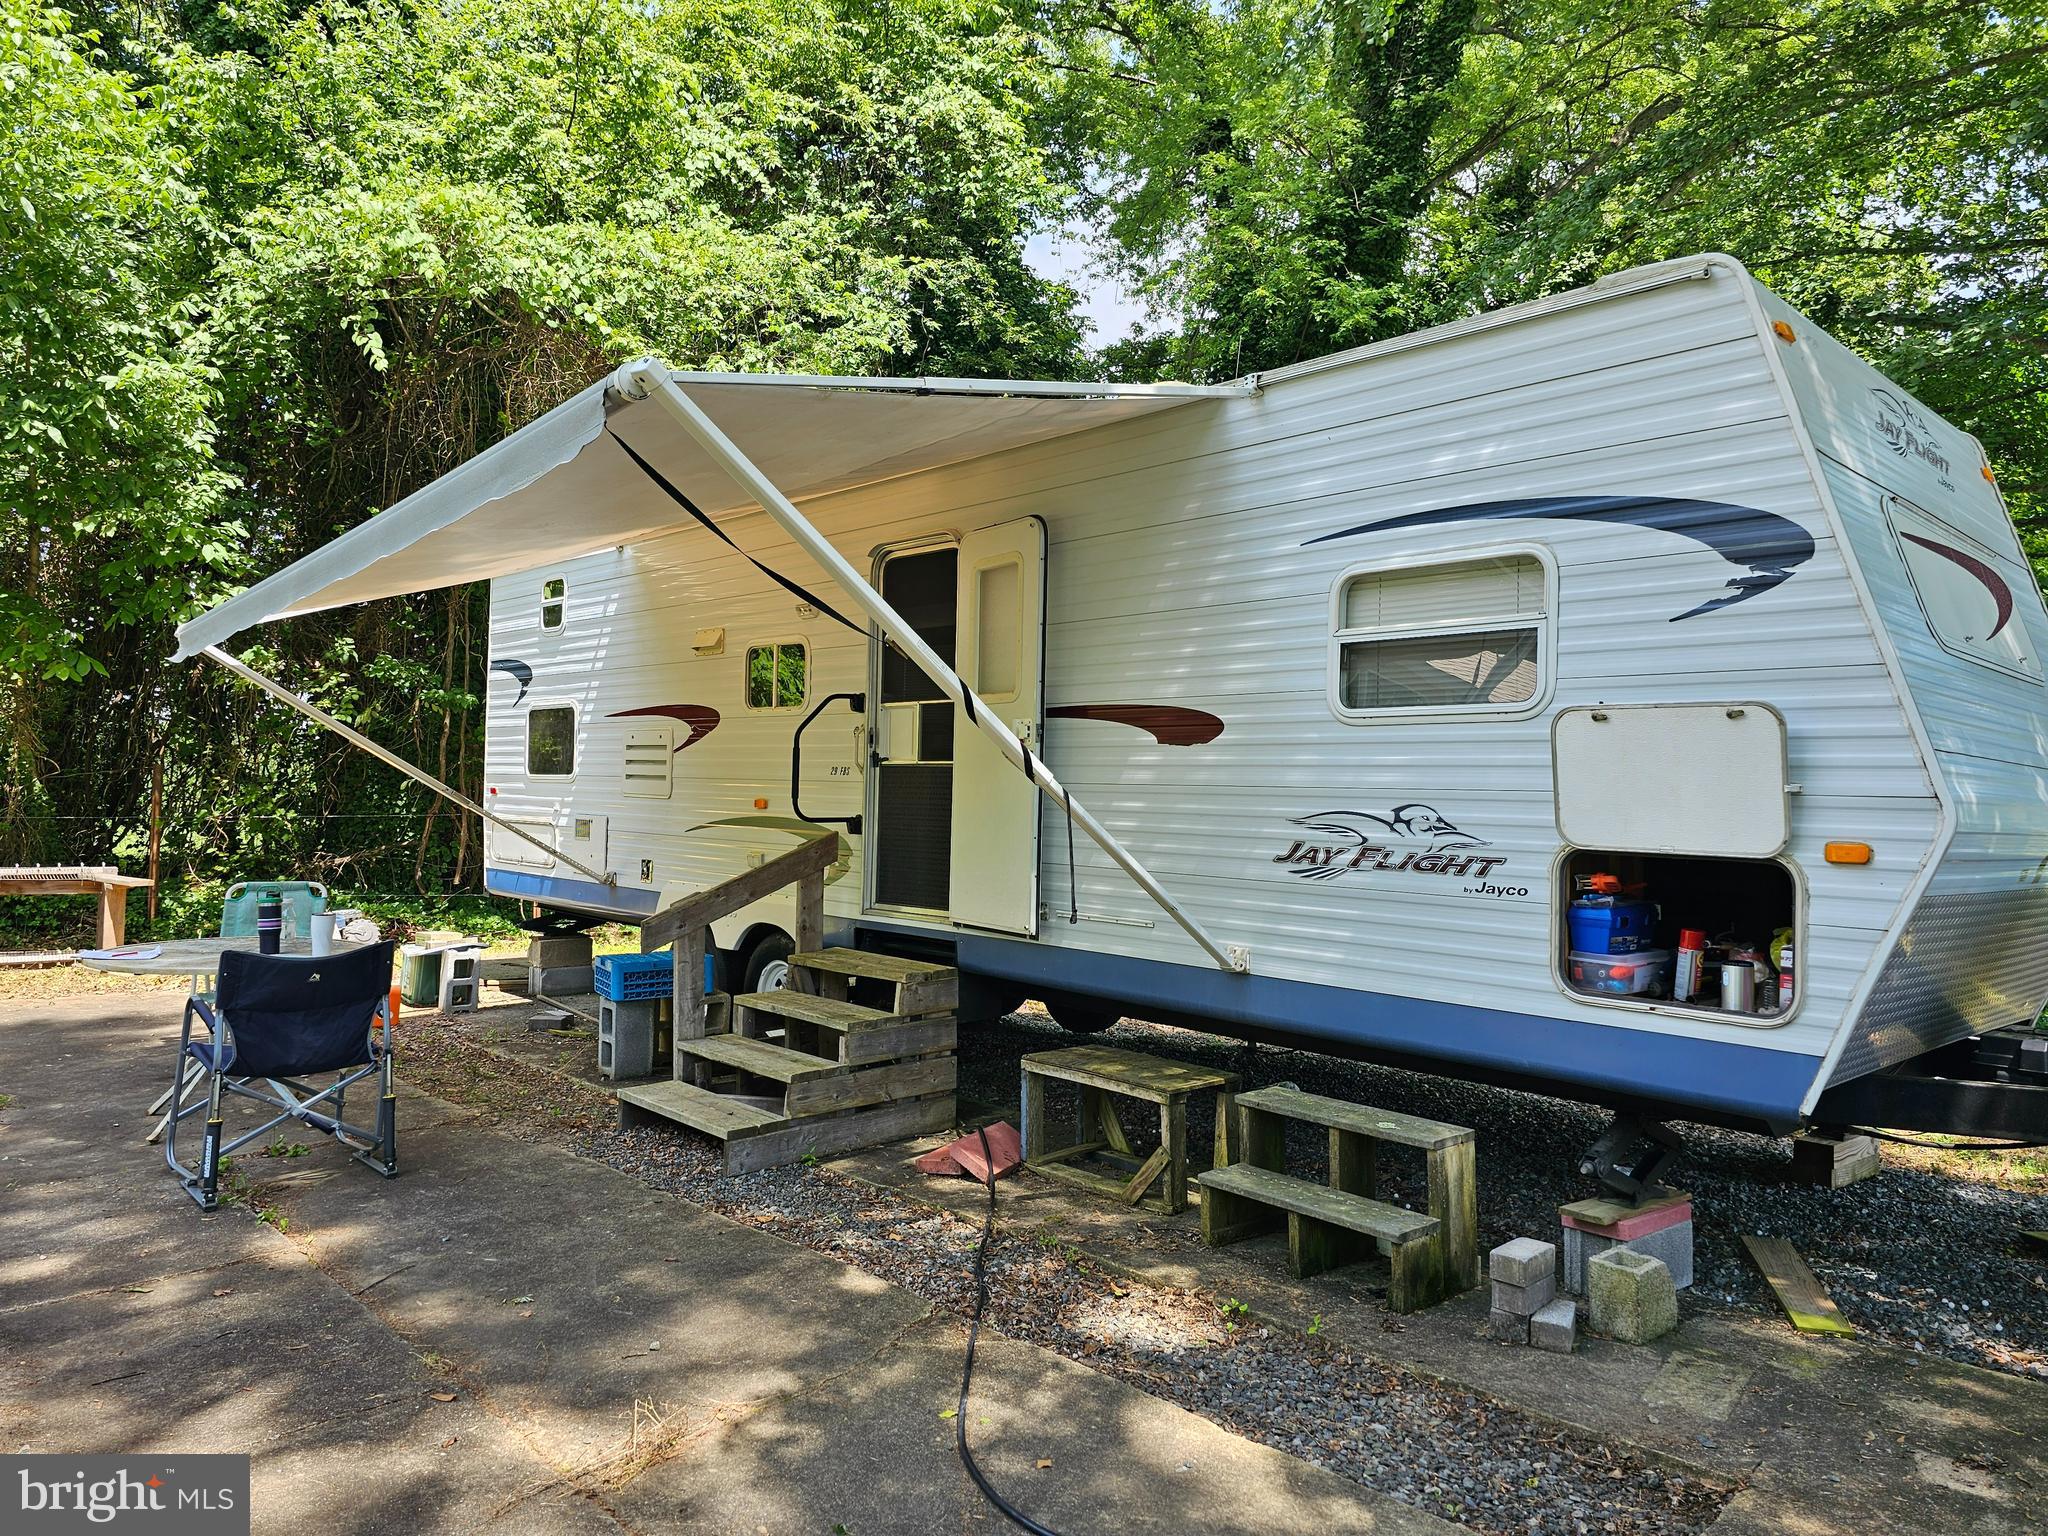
[{"x": 1001, "y": 657}]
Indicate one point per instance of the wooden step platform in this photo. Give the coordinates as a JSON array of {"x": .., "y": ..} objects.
[
  {"x": 1325, "y": 1227},
  {"x": 847, "y": 1075},
  {"x": 843, "y": 1031}
]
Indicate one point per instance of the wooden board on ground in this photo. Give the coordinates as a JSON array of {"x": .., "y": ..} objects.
[
  {"x": 1380, "y": 1124},
  {"x": 1799, "y": 1291}
]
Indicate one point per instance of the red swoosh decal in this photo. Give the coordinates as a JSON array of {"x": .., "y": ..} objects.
[
  {"x": 1994, "y": 583},
  {"x": 701, "y": 719},
  {"x": 1170, "y": 725}
]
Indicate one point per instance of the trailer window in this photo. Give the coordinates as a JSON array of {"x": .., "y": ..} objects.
[
  {"x": 551, "y": 741},
  {"x": 776, "y": 675},
  {"x": 1465, "y": 636},
  {"x": 553, "y": 594}
]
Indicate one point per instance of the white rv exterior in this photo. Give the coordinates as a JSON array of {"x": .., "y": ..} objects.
[
  {"x": 1189, "y": 564},
  {"x": 1667, "y": 492}
]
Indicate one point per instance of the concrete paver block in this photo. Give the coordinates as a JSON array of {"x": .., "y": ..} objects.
[
  {"x": 1556, "y": 1327},
  {"x": 1524, "y": 1261},
  {"x": 1508, "y": 1327},
  {"x": 1526, "y": 1300},
  {"x": 1631, "y": 1296}
]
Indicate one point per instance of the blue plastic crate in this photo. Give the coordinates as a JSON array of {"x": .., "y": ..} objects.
[{"x": 634, "y": 978}]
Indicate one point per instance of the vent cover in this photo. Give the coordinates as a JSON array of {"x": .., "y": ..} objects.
[{"x": 649, "y": 765}]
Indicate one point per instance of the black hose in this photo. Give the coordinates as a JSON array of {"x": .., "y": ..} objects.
[{"x": 1003, "y": 1506}]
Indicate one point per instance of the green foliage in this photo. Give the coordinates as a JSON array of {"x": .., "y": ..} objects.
[
  {"x": 277, "y": 267},
  {"x": 1283, "y": 177}
]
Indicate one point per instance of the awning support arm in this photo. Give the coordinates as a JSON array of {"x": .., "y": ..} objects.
[
  {"x": 356, "y": 738},
  {"x": 649, "y": 381}
]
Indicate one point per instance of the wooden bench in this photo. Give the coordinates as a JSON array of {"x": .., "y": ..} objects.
[
  {"x": 1324, "y": 1227},
  {"x": 1102, "y": 1071},
  {"x": 101, "y": 880},
  {"x": 1443, "y": 1260}
]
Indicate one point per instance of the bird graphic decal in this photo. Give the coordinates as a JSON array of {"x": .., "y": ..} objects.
[
  {"x": 1770, "y": 546},
  {"x": 1413, "y": 823}
]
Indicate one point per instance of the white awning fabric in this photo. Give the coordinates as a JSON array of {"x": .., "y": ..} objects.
[{"x": 560, "y": 487}]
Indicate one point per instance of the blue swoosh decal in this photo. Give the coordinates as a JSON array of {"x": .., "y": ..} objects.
[
  {"x": 1772, "y": 547},
  {"x": 519, "y": 672}
]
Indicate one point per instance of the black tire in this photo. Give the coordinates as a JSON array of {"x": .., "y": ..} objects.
[
  {"x": 1078, "y": 1018},
  {"x": 770, "y": 950}
]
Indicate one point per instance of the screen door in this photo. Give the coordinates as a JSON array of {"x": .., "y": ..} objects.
[
  {"x": 1000, "y": 624},
  {"x": 909, "y": 845}
]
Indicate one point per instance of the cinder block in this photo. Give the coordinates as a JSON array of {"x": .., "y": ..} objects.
[
  {"x": 1527, "y": 1300},
  {"x": 1630, "y": 1296},
  {"x": 1508, "y": 1327},
  {"x": 559, "y": 980},
  {"x": 1524, "y": 1261},
  {"x": 1556, "y": 1327},
  {"x": 625, "y": 1038},
  {"x": 1834, "y": 1162},
  {"x": 1672, "y": 1244},
  {"x": 570, "y": 950}
]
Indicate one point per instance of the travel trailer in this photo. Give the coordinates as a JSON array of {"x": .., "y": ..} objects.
[{"x": 1629, "y": 694}]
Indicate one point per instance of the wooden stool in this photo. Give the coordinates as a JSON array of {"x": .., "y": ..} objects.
[{"x": 1102, "y": 1071}]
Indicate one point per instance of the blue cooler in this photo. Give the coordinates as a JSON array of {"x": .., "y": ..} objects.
[{"x": 1602, "y": 926}]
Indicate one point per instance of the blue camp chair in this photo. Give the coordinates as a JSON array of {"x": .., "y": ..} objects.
[
  {"x": 302, "y": 898},
  {"x": 276, "y": 1020}
]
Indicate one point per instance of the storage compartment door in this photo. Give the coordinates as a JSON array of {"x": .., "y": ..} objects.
[
  {"x": 1001, "y": 650},
  {"x": 1673, "y": 778}
]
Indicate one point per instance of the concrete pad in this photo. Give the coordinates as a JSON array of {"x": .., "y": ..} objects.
[
  {"x": 570, "y": 1293},
  {"x": 874, "y": 1451}
]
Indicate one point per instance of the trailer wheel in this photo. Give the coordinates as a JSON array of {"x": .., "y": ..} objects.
[
  {"x": 1078, "y": 1018},
  {"x": 767, "y": 967}
]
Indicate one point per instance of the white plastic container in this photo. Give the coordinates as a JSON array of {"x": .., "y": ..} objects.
[{"x": 1647, "y": 970}]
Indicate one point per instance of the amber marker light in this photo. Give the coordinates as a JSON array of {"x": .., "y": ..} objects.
[
  {"x": 1783, "y": 330},
  {"x": 1985, "y": 471},
  {"x": 760, "y": 804},
  {"x": 1848, "y": 853}
]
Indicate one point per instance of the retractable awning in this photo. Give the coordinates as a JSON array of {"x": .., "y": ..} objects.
[
  {"x": 637, "y": 454},
  {"x": 561, "y": 486}
]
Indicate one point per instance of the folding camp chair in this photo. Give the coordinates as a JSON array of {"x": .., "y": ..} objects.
[
  {"x": 302, "y": 898},
  {"x": 281, "y": 1019}
]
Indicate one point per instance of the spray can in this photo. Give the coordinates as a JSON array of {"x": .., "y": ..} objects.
[
  {"x": 270, "y": 923},
  {"x": 1692, "y": 954},
  {"x": 1785, "y": 988}
]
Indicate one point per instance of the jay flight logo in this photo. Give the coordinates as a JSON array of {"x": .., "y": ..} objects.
[{"x": 1412, "y": 839}]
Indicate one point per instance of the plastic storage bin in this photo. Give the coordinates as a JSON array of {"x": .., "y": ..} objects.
[
  {"x": 1611, "y": 927},
  {"x": 1647, "y": 970}
]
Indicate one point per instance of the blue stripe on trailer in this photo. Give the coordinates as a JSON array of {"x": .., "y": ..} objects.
[
  {"x": 587, "y": 895},
  {"x": 1727, "y": 1076}
]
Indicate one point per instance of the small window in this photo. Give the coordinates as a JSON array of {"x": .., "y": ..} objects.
[
  {"x": 553, "y": 591},
  {"x": 551, "y": 741},
  {"x": 1461, "y": 637},
  {"x": 775, "y": 675},
  {"x": 998, "y": 629}
]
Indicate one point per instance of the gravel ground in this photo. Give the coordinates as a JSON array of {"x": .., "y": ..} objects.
[
  {"x": 1926, "y": 1255},
  {"x": 1458, "y": 1454}
]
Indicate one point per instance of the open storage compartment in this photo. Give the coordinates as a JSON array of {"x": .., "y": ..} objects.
[{"x": 1680, "y": 931}]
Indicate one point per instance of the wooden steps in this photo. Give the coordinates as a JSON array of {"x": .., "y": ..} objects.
[
  {"x": 847, "y": 1074},
  {"x": 757, "y": 1058},
  {"x": 1354, "y": 1213},
  {"x": 1433, "y": 1255}
]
